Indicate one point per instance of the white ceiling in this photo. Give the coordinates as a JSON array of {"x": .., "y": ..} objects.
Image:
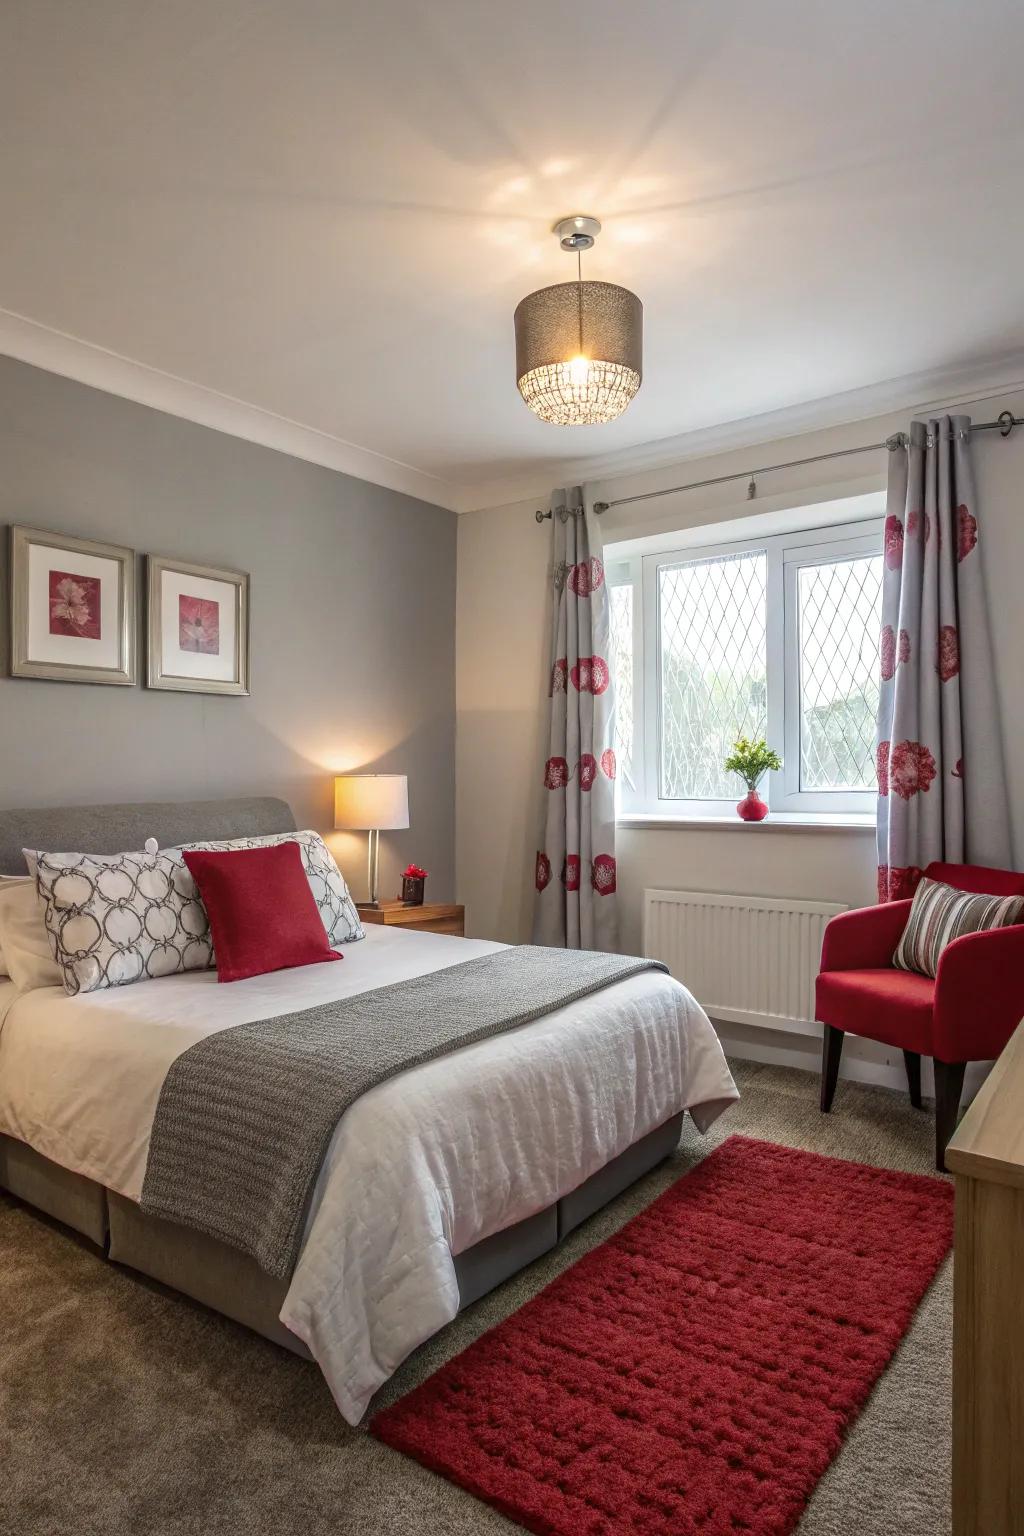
[{"x": 330, "y": 210}]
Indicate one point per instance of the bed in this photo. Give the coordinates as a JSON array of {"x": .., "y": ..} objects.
[{"x": 438, "y": 1184}]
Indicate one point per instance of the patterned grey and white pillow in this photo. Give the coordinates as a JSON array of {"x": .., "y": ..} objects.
[
  {"x": 122, "y": 918},
  {"x": 337, "y": 909},
  {"x": 941, "y": 913}
]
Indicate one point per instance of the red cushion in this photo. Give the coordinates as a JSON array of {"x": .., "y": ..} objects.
[
  {"x": 892, "y": 1006},
  {"x": 263, "y": 915}
]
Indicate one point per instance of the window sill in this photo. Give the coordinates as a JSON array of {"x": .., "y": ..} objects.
[{"x": 776, "y": 821}]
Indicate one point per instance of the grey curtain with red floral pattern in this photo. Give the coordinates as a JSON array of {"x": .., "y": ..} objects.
[
  {"x": 941, "y": 780},
  {"x": 575, "y": 868}
]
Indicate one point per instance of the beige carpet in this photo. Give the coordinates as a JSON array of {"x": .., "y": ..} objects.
[{"x": 126, "y": 1409}]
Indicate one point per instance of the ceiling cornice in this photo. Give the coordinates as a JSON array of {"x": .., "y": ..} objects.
[
  {"x": 30, "y": 342},
  {"x": 940, "y": 387}
]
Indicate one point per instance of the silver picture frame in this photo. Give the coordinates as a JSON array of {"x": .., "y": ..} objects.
[
  {"x": 23, "y": 663},
  {"x": 159, "y": 673}
]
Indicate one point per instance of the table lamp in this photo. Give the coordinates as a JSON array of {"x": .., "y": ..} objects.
[{"x": 374, "y": 803}]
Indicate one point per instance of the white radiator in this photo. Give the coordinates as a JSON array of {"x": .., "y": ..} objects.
[{"x": 746, "y": 959}]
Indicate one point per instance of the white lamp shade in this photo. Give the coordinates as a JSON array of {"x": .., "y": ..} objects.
[{"x": 371, "y": 802}]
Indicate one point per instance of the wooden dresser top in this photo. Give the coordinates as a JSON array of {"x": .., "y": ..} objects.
[{"x": 989, "y": 1141}]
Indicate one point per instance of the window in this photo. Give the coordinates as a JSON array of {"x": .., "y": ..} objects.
[
  {"x": 713, "y": 642},
  {"x": 624, "y": 613},
  {"x": 773, "y": 637}
]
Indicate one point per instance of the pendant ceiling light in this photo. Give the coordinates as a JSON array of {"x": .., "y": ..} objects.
[{"x": 579, "y": 346}]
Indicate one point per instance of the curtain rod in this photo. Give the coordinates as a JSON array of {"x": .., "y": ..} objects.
[{"x": 1004, "y": 424}]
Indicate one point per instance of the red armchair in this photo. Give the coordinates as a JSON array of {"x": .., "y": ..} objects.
[{"x": 967, "y": 1013}]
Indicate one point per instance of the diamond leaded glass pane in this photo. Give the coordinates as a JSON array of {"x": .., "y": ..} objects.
[
  {"x": 622, "y": 646},
  {"x": 712, "y": 618},
  {"x": 840, "y": 608}
]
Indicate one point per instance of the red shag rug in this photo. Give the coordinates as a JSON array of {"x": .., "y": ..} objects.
[{"x": 696, "y": 1372}]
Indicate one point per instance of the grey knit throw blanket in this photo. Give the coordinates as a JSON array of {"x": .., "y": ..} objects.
[{"x": 245, "y": 1116}]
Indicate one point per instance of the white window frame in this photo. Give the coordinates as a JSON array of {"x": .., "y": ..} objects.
[
  {"x": 789, "y": 796},
  {"x": 627, "y": 573},
  {"x": 786, "y": 554}
]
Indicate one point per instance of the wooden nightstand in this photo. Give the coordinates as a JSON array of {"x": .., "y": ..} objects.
[{"x": 431, "y": 917}]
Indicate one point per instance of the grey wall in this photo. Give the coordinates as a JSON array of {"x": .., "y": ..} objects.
[{"x": 353, "y": 623}]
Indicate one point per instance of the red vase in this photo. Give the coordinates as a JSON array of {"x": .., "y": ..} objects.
[{"x": 752, "y": 808}]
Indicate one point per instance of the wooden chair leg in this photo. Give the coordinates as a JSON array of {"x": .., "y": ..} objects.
[
  {"x": 912, "y": 1060},
  {"x": 949, "y": 1082},
  {"x": 831, "y": 1051}
]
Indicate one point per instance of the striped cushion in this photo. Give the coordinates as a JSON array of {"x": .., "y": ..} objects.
[{"x": 940, "y": 913}]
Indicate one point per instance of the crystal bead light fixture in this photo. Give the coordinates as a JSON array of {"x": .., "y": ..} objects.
[{"x": 579, "y": 346}]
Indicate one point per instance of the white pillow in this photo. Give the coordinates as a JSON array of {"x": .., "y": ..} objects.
[
  {"x": 121, "y": 918},
  {"x": 31, "y": 855},
  {"x": 337, "y": 909},
  {"x": 28, "y": 953}
]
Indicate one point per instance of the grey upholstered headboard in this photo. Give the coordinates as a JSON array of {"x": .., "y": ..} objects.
[{"x": 114, "y": 828}]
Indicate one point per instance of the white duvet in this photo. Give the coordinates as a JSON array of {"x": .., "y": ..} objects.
[{"x": 420, "y": 1168}]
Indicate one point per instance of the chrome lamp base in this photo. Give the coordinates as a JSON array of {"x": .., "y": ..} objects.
[{"x": 373, "y": 855}]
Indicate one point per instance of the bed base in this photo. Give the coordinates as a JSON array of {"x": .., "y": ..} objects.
[
  {"x": 226, "y": 1280},
  {"x": 66, "y": 1196}
]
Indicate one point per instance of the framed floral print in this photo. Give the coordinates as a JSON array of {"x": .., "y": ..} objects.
[
  {"x": 198, "y": 627},
  {"x": 72, "y": 609}
]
